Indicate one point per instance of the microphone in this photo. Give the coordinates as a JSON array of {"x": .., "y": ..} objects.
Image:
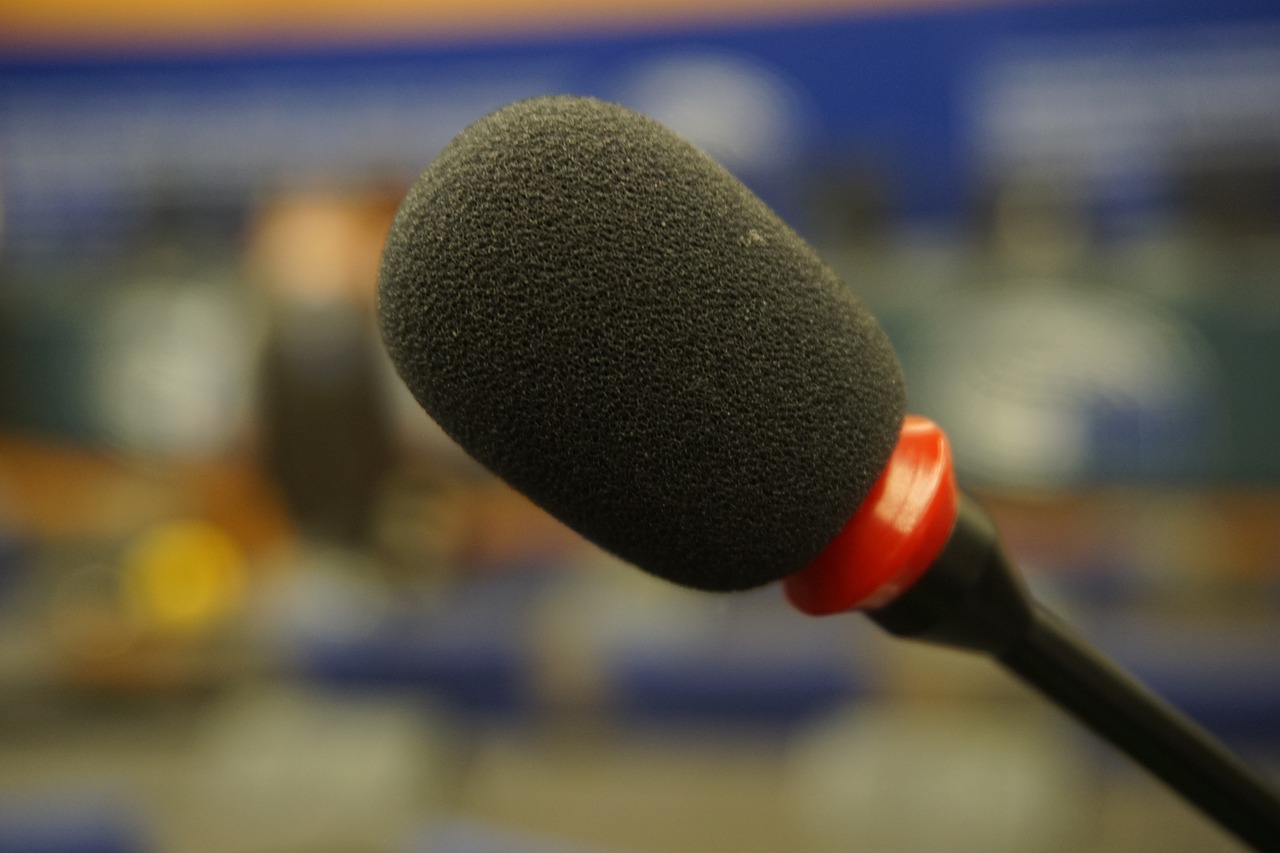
[
  {"x": 604, "y": 317},
  {"x": 608, "y": 320}
]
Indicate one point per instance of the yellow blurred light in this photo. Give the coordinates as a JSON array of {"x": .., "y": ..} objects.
[{"x": 183, "y": 577}]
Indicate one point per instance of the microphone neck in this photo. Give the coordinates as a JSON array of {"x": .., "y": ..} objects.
[{"x": 971, "y": 597}]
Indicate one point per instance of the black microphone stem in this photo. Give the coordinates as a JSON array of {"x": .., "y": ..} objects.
[
  {"x": 1101, "y": 695},
  {"x": 971, "y": 598}
]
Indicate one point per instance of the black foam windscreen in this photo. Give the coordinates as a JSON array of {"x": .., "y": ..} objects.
[{"x": 612, "y": 323}]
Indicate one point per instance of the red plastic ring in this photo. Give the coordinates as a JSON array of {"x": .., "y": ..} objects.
[{"x": 895, "y": 535}]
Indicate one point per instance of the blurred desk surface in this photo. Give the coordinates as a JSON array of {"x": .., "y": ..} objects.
[{"x": 58, "y": 491}]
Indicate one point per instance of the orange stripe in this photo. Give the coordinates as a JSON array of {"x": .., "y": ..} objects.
[{"x": 38, "y": 23}]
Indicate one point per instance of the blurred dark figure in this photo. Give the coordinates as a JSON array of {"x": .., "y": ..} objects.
[
  {"x": 9, "y": 325},
  {"x": 850, "y": 218},
  {"x": 327, "y": 435},
  {"x": 1230, "y": 203},
  {"x": 1032, "y": 229}
]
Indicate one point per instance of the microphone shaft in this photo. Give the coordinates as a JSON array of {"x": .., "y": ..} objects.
[
  {"x": 1055, "y": 661},
  {"x": 971, "y": 598}
]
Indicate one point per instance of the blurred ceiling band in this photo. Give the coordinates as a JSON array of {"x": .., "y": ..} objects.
[{"x": 134, "y": 24}]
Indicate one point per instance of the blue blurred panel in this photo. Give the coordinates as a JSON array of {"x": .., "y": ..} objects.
[
  {"x": 481, "y": 678},
  {"x": 1225, "y": 678},
  {"x": 68, "y": 826},
  {"x": 1238, "y": 699},
  {"x": 727, "y": 689},
  {"x": 471, "y": 650},
  {"x": 14, "y": 560},
  {"x": 84, "y": 138}
]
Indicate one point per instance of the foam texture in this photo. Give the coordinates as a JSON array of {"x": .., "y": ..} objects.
[{"x": 612, "y": 323}]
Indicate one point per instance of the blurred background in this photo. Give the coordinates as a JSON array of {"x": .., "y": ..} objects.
[{"x": 252, "y": 600}]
